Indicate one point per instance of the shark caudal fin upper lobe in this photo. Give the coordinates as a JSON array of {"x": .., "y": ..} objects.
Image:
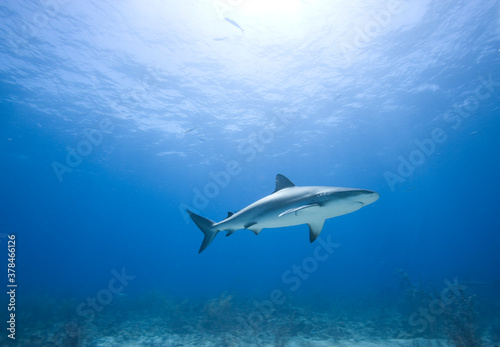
[{"x": 205, "y": 225}]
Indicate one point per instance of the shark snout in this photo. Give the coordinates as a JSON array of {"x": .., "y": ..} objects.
[
  {"x": 369, "y": 197},
  {"x": 365, "y": 197}
]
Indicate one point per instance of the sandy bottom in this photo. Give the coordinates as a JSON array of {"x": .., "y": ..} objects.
[
  {"x": 226, "y": 321},
  {"x": 210, "y": 341}
]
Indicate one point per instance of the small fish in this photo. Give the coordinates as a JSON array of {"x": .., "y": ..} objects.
[
  {"x": 189, "y": 130},
  {"x": 474, "y": 133},
  {"x": 234, "y": 23},
  {"x": 220, "y": 38}
]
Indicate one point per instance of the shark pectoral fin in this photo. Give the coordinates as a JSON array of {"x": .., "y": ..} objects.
[
  {"x": 314, "y": 229},
  {"x": 297, "y": 209}
]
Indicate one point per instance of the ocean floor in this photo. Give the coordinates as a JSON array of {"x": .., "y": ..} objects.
[
  {"x": 154, "y": 320},
  {"x": 295, "y": 342},
  {"x": 132, "y": 334},
  {"x": 146, "y": 334}
]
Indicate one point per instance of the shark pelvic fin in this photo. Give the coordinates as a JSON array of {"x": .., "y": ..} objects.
[
  {"x": 251, "y": 226},
  {"x": 255, "y": 230},
  {"x": 315, "y": 229},
  {"x": 297, "y": 209},
  {"x": 207, "y": 227},
  {"x": 282, "y": 182}
]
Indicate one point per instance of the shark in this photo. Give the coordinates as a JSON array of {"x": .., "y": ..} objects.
[{"x": 288, "y": 205}]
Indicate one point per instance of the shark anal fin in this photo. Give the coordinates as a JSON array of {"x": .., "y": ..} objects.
[
  {"x": 315, "y": 229},
  {"x": 297, "y": 209},
  {"x": 230, "y": 232}
]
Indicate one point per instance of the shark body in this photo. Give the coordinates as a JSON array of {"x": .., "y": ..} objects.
[{"x": 288, "y": 205}]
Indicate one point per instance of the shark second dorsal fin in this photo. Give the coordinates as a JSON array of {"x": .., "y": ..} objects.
[{"x": 282, "y": 182}]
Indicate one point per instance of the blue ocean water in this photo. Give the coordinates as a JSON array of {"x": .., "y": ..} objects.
[{"x": 118, "y": 116}]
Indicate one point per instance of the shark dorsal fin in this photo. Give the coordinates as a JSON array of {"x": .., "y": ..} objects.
[{"x": 282, "y": 182}]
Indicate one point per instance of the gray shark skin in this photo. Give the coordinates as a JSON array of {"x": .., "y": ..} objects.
[{"x": 288, "y": 205}]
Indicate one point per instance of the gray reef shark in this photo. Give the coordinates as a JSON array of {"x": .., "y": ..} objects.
[{"x": 288, "y": 205}]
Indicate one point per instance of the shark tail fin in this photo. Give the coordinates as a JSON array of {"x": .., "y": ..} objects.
[{"x": 207, "y": 227}]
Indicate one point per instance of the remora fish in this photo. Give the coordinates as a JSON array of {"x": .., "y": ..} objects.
[{"x": 288, "y": 205}]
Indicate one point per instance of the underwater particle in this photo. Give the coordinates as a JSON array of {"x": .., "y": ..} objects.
[{"x": 220, "y": 38}]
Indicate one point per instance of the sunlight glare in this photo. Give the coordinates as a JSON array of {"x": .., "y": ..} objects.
[{"x": 271, "y": 7}]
